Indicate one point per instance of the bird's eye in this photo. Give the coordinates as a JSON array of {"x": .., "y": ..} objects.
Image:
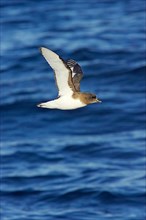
[{"x": 93, "y": 96}]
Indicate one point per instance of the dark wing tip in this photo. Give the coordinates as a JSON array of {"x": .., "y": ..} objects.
[
  {"x": 71, "y": 63},
  {"x": 76, "y": 67},
  {"x": 40, "y": 49}
]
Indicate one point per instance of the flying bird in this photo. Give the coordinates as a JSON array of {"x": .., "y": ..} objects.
[{"x": 68, "y": 75}]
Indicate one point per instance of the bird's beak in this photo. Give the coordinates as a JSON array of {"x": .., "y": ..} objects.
[{"x": 97, "y": 100}]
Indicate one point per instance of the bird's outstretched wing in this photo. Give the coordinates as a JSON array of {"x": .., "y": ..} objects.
[
  {"x": 62, "y": 72},
  {"x": 77, "y": 73}
]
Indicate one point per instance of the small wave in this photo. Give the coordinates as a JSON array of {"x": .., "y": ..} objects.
[{"x": 111, "y": 197}]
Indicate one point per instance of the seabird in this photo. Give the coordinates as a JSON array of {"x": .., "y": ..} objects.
[{"x": 68, "y": 75}]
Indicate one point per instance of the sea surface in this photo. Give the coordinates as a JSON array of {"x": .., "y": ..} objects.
[{"x": 88, "y": 163}]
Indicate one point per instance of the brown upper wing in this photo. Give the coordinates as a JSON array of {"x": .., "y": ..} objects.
[{"x": 77, "y": 73}]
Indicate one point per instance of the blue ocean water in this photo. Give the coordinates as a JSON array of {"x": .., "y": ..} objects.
[{"x": 86, "y": 164}]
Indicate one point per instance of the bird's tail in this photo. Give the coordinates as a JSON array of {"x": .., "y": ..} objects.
[{"x": 49, "y": 104}]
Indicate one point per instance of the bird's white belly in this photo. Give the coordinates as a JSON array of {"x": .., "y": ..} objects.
[{"x": 65, "y": 103}]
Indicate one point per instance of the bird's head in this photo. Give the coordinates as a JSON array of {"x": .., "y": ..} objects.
[
  {"x": 89, "y": 98},
  {"x": 92, "y": 98}
]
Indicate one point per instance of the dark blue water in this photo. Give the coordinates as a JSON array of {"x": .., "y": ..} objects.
[{"x": 86, "y": 164}]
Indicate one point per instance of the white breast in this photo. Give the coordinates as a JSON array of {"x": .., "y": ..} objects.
[
  {"x": 63, "y": 103},
  {"x": 67, "y": 102}
]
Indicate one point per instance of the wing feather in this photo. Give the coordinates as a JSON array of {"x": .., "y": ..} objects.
[
  {"x": 77, "y": 73},
  {"x": 62, "y": 72}
]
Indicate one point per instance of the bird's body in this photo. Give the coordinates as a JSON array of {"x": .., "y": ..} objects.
[
  {"x": 64, "y": 103},
  {"x": 68, "y": 75}
]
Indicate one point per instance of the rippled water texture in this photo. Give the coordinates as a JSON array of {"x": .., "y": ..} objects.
[{"x": 86, "y": 164}]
